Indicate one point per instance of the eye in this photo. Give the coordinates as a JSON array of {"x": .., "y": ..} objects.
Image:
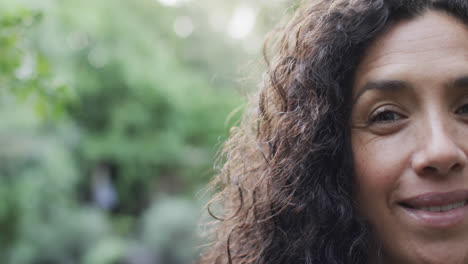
[
  {"x": 385, "y": 116},
  {"x": 462, "y": 110}
]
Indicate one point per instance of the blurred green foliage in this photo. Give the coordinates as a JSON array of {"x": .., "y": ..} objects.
[{"x": 110, "y": 124}]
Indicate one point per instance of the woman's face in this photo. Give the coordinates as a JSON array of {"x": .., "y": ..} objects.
[{"x": 410, "y": 141}]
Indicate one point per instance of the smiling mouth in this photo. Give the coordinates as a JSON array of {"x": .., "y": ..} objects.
[
  {"x": 437, "y": 210},
  {"x": 436, "y": 201},
  {"x": 441, "y": 208}
]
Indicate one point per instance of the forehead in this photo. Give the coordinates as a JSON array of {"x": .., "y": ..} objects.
[{"x": 415, "y": 49}]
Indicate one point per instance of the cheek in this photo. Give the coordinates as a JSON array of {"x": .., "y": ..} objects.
[{"x": 378, "y": 169}]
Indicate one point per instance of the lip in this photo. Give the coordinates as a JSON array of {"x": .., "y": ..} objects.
[
  {"x": 436, "y": 220},
  {"x": 436, "y": 198}
]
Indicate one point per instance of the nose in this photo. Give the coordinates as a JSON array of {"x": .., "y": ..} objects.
[{"x": 440, "y": 153}]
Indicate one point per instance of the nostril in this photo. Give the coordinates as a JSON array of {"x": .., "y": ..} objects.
[
  {"x": 439, "y": 159},
  {"x": 457, "y": 167},
  {"x": 434, "y": 170},
  {"x": 429, "y": 170}
]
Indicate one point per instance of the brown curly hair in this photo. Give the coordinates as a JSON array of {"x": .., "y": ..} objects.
[{"x": 285, "y": 187}]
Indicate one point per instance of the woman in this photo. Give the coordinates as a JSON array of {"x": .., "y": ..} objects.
[{"x": 355, "y": 150}]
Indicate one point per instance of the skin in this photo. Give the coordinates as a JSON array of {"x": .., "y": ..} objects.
[{"x": 412, "y": 139}]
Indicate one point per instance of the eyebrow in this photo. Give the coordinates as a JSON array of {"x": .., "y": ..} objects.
[
  {"x": 387, "y": 85},
  {"x": 458, "y": 83},
  {"x": 396, "y": 85}
]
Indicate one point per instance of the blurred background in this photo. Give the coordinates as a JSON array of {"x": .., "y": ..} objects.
[{"x": 112, "y": 112}]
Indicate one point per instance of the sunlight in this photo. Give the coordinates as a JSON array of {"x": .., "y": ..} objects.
[
  {"x": 172, "y": 2},
  {"x": 183, "y": 26},
  {"x": 242, "y": 22}
]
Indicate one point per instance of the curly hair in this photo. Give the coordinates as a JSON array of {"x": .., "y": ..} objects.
[{"x": 285, "y": 184}]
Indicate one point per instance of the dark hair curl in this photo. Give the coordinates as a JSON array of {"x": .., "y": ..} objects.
[{"x": 286, "y": 183}]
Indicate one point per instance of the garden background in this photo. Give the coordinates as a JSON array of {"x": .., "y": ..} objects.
[{"x": 112, "y": 112}]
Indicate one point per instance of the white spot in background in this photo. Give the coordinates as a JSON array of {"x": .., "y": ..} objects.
[
  {"x": 183, "y": 26},
  {"x": 242, "y": 22},
  {"x": 97, "y": 57},
  {"x": 173, "y": 2},
  {"x": 27, "y": 68},
  {"x": 169, "y": 2},
  {"x": 77, "y": 40}
]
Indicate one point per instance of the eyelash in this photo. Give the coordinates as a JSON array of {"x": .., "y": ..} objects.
[
  {"x": 384, "y": 116},
  {"x": 463, "y": 107}
]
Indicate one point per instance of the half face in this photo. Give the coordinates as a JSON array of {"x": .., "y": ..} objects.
[{"x": 410, "y": 141}]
